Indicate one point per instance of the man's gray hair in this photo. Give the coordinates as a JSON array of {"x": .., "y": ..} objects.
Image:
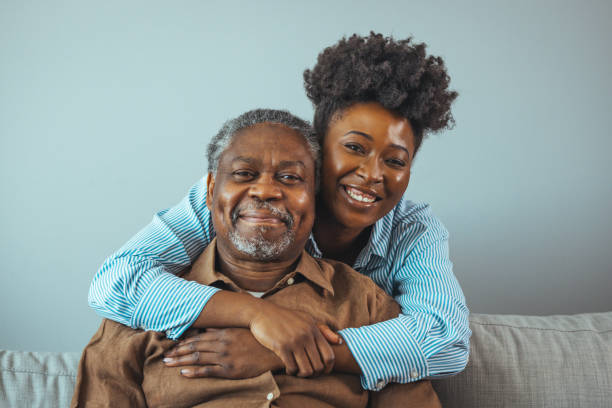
[{"x": 224, "y": 137}]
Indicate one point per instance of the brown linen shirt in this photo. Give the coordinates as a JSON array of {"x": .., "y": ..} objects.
[{"x": 122, "y": 367}]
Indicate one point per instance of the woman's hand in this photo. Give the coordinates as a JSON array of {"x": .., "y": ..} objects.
[
  {"x": 295, "y": 338},
  {"x": 224, "y": 353}
]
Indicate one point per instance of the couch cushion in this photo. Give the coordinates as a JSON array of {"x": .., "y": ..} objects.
[
  {"x": 29, "y": 379},
  {"x": 533, "y": 361}
]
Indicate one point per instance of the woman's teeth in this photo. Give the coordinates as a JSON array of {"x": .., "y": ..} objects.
[{"x": 359, "y": 196}]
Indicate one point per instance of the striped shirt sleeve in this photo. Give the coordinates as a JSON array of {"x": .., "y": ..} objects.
[
  {"x": 138, "y": 287},
  {"x": 430, "y": 338}
]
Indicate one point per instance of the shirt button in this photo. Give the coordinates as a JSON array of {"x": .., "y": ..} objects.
[
  {"x": 414, "y": 374},
  {"x": 290, "y": 281},
  {"x": 270, "y": 396},
  {"x": 380, "y": 384}
]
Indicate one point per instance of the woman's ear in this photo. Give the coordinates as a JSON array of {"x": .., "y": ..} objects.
[{"x": 210, "y": 187}]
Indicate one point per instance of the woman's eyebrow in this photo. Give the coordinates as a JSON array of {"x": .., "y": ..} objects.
[
  {"x": 401, "y": 148},
  {"x": 359, "y": 133},
  {"x": 369, "y": 137}
]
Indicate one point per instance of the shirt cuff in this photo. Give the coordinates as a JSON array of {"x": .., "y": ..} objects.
[
  {"x": 171, "y": 304},
  {"x": 386, "y": 352}
]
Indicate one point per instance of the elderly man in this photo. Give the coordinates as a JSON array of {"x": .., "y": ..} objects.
[{"x": 261, "y": 200}]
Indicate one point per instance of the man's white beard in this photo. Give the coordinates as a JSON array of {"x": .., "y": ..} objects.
[
  {"x": 261, "y": 249},
  {"x": 258, "y": 247}
]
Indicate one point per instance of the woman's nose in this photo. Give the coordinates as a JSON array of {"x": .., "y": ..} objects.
[{"x": 370, "y": 170}]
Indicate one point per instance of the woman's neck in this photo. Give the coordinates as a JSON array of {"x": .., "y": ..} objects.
[{"x": 337, "y": 241}]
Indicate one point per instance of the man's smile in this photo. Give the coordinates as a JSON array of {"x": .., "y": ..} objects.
[
  {"x": 260, "y": 217},
  {"x": 256, "y": 212}
]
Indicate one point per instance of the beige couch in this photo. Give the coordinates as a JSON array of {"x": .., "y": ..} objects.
[{"x": 515, "y": 361}]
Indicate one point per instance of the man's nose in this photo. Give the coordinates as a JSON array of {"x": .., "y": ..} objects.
[{"x": 265, "y": 189}]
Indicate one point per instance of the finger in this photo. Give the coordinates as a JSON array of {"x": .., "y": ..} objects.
[
  {"x": 207, "y": 335},
  {"x": 200, "y": 337},
  {"x": 312, "y": 351},
  {"x": 205, "y": 371},
  {"x": 291, "y": 367},
  {"x": 329, "y": 334},
  {"x": 196, "y": 358},
  {"x": 192, "y": 347},
  {"x": 303, "y": 363},
  {"x": 190, "y": 339},
  {"x": 326, "y": 353}
]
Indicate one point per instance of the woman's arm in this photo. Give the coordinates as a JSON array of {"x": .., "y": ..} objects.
[
  {"x": 431, "y": 336},
  {"x": 138, "y": 287}
]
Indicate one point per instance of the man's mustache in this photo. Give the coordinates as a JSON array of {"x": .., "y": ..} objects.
[{"x": 284, "y": 216}]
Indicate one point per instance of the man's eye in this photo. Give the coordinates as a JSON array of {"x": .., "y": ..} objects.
[
  {"x": 354, "y": 147},
  {"x": 243, "y": 174},
  {"x": 289, "y": 178}
]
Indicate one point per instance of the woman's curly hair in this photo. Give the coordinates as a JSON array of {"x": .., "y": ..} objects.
[{"x": 398, "y": 74}]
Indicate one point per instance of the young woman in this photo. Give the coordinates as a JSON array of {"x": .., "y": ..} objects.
[{"x": 375, "y": 99}]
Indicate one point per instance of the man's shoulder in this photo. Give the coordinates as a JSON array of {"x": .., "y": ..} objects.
[
  {"x": 345, "y": 279},
  {"x": 360, "y": 291}
]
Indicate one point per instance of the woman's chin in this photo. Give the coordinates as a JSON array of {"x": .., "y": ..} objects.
[
  {"x": 350, "y": 213},
  {"x": 354, "y": 220}
]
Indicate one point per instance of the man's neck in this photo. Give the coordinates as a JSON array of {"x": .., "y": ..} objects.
[{"x": 250, "y": 275}]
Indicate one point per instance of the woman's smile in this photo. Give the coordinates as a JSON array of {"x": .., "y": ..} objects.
[{"x": 362, "y": 197}]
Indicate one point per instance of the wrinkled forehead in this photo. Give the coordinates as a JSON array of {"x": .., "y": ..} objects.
[{"x": 268, "y": 144}]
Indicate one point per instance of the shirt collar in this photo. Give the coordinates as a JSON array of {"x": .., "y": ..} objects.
[
  {"x": 312, "y": 247},
  {"x": 378, "y": 243},
  {"x": 381, "y": 234},
  {"x": 204, "y": 271}
]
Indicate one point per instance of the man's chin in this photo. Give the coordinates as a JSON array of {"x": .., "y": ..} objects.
[{"x": 262, "y": 247}]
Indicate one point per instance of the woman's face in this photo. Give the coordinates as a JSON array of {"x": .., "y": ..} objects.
[{"x": 367, "y": 153}]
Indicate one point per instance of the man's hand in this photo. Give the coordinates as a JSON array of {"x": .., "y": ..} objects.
[
  {"x": 223, "y": 353},
  {"x": 295, "y": 338}
]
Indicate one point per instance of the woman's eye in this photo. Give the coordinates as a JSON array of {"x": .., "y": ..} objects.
[
  {"x": 396, "y": 162},
  {"x": 354, "y": 147}
]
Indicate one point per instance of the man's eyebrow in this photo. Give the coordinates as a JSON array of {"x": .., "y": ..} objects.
[
  {"x": 290, "y": 163},
  {"x": 369, "y": 137},
  {"x": 246, "y": 159},
  {"x": 282, "y": 164}
]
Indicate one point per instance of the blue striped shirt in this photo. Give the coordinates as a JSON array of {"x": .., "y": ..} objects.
[{"x": 407, "y": 256}]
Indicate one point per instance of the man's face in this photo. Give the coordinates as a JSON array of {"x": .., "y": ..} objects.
[{"x": 262, "y": 197}]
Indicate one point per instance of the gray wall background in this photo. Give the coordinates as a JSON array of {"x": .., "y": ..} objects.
[{"x": 106, "y": 109}]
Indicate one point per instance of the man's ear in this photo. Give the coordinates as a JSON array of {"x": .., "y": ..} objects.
[{"x": 210, "y": 187}]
